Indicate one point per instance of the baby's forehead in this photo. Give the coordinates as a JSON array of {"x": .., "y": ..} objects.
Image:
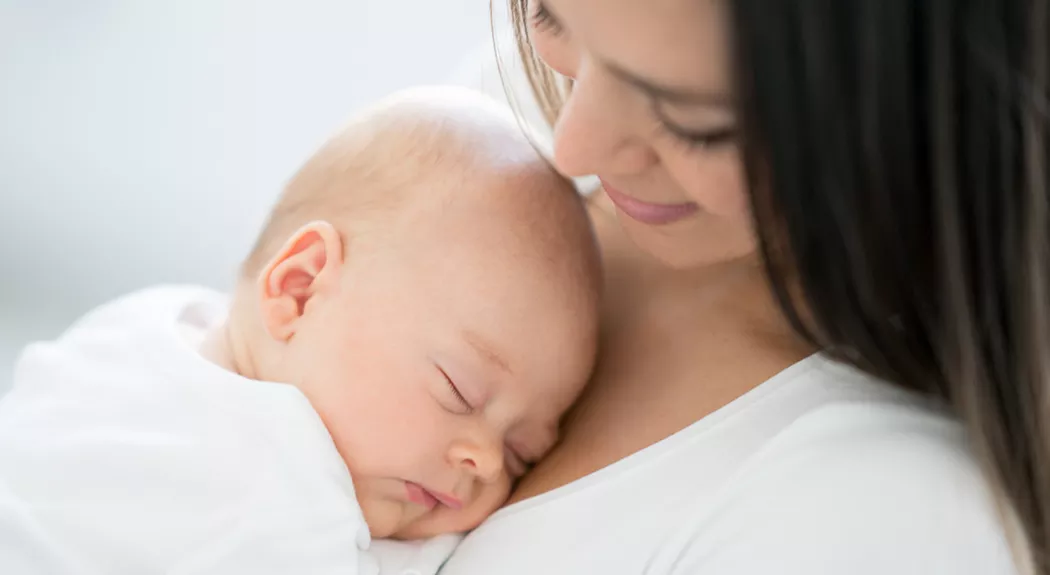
[
  {"x": 519, "y": 204},
  {"x": 514, "y": 231},
  {"x": 477, "y": 193},
  {"x": 449, "y": 159}
]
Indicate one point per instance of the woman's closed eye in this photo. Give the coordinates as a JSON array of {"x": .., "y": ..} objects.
[
  {"x": 543, "y": 20},
  {"x": 699, "y": 139},
  {"x": 722, "y": 132}
]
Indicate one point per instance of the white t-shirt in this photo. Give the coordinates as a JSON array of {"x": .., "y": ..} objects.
[
  {"x": 123, "y": 451},
  {"x": 819, "y": 471}
]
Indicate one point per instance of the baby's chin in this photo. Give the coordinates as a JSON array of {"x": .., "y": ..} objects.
[
  {"x": 407, "y": 521},
  {"x": 386, "y": 518},
  {"x": 441, "y": 520}
]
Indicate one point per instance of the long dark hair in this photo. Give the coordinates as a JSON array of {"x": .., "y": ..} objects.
[{"x": 897, "y": 152}]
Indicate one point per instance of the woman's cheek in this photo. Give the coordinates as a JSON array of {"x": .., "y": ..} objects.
[
  {"x": 556, "y": 53},
  {"x": 713, "y": 179}
]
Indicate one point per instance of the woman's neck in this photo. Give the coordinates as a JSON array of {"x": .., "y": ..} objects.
[
  {"x": 684, "y": 302},
  {"x": 638, "y": 284},
  {"x": 728, "y": 304}
]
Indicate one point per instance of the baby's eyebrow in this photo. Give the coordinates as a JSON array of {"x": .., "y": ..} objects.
[{"x": 486, "y": 350}]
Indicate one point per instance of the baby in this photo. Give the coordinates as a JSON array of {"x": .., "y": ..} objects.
[{"x": 417, "y": 314}]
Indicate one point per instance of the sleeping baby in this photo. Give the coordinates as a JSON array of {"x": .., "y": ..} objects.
[{"x": 415, "y": 317}]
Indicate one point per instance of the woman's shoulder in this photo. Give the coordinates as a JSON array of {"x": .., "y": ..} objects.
[
  {"x": 863, "y": 421},
  {"x": 882, "y": 484},
  {"x": 864, "y": 452}
]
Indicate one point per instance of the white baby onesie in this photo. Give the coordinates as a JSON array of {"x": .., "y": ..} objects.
[{"x": 123, "y": 451}]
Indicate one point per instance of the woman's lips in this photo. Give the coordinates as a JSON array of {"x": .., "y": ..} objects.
[
  {"x": 429, "y": 499},
  {"x": 647, "y": 213}
]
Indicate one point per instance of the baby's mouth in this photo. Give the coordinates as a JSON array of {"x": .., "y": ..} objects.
[
  {"x": 420, "y": 496},
  {"x": 429, "y": 499}
]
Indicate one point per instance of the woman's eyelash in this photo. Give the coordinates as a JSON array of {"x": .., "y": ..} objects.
[
  {"x": 702, "y": 139},
  {"x": 709, "y": 138},
  {"x": 543, "y": 20}
]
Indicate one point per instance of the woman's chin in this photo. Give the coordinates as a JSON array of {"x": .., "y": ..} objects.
[{"x": 686, "y": 245}]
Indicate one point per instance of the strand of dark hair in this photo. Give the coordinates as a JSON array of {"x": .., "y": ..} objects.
[{"x": 897, "y": 151}]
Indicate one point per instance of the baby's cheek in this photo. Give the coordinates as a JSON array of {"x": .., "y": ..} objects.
[{"x": 489, "y": 498}]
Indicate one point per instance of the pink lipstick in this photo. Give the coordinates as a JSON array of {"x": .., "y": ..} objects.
[{"x": 646, "y": 212}]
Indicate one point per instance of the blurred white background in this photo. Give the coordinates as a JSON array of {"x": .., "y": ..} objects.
[{"x": 142, "y": 141}]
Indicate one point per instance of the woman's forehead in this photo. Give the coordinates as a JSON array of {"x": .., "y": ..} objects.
[{"x": 674, "y": 43}]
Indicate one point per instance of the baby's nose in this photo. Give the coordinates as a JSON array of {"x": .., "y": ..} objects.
[{"x": 482, "y": 461}]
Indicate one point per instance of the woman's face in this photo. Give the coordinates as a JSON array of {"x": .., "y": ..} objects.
[{"x": 651, "y": 114}]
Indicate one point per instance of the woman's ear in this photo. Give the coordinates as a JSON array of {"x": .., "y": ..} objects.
[{"x": 308, "y": 264}]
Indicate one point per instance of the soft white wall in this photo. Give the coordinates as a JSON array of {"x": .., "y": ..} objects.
[{"x": 141, "y": 141}]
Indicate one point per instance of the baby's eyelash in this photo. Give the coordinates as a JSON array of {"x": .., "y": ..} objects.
[{"x": 455, "y": 391}]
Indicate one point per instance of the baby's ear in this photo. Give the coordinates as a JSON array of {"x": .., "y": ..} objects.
[{"x": 307, "y": 264}]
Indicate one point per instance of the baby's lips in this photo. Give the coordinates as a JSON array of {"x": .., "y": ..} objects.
[
  {"x": 420, "y": 496},
  {"x": 450, "y": 501}
]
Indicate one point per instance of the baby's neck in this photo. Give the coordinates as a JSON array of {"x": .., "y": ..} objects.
[{"x": 227, "y": 346}]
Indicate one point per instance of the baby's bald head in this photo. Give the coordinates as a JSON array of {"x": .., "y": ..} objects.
[{"x": 421, "y": 154}]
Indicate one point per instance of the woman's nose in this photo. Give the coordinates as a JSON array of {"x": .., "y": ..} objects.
[
  {"x": 484, "y": 460},
  {"x": 598, "y": 129}
]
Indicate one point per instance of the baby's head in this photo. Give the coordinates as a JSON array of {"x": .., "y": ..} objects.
[{"x": 431, "y": 286}]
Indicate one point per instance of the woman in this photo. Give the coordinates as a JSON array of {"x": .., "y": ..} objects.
[{"x": 865, "y": 180}]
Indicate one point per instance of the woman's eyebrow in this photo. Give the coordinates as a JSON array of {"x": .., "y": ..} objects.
[{"x": 670, "y": 94}]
